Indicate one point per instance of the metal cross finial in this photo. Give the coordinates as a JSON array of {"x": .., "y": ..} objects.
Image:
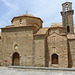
[{"x": 26, "y": 12}]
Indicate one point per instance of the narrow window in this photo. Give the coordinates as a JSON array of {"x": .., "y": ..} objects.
[
  {"x": 68, "y": 29},
  {"x": 54, "y": 59},
  {"x": 0, "y": 37},
  {"x": 20, "y": 21}
]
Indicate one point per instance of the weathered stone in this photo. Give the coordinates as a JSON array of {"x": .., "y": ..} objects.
[{"x": 26, "y": 43}]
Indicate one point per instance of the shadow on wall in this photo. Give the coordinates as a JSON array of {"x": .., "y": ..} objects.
[{"x": 69, "y": 57}]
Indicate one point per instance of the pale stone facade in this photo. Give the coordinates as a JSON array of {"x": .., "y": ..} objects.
[{"x": 26, "y": 43}]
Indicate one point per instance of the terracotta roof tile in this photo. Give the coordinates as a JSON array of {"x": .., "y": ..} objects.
[
  {"x": 16, "y": 26},
  {"x": 27, "y": 15}
]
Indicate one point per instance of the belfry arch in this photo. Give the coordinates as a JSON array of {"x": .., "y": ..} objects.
[{"x": 15, "y": 59}]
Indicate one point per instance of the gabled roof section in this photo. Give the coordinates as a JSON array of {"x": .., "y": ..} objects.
[
  {"x": 42, "y": 31},
  {"x": 62, "y": 34}
]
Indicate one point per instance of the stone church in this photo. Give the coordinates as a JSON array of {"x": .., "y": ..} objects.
[{"x": 27, "y": 43}]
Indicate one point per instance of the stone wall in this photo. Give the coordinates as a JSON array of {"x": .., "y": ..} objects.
[
  {"x": 17, "y": 22},
  {"x": 71, "y": 45},
  {"x": 23, "y": 38},
  {"x": 70, "y": 21},
  {"x": 0, "y": 51},
  {"x": 57, "y": 30},
  {"x": 28, "y": 21},
  {"x": 39, "y": 55},
  {"x": 58, "y": 45}
]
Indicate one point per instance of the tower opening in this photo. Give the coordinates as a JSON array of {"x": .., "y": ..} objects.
[
  {"x": 68, "y": 29},
  {"x": 67, "y": 7},
  {"x": 15, "y": 59}
]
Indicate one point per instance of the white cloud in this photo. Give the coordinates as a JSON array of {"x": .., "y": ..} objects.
[
  {"x": 4, "y": 20},
  {"x": 9, "y": 4},
  {"x": 48, "y": 10}
]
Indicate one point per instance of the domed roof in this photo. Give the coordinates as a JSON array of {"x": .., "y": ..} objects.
[{"x": 27, "y": 15}]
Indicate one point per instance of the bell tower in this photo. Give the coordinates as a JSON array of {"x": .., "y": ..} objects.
[{"x": 67, "y": 17}]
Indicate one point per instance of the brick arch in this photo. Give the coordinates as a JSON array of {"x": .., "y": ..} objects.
[
  {"x": 15, "y": 59},
  {"x": 54, "y": 58}
]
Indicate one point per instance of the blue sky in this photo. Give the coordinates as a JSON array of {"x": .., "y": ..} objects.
[{"x": 47, "y": 10}]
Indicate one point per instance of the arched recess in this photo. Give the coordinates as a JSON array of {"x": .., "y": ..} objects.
[
  {"x": 16, "y": 59},
  {"x": 54, "y": 59}
]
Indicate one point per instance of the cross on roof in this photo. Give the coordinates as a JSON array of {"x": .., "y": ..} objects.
[{"x": 26, "y": 12}]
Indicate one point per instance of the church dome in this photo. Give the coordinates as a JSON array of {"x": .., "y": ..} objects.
[
  {"x": 24, "y": 15},
  {"x": 27, "y": 15},
  {"x": 27, "y": 20}
]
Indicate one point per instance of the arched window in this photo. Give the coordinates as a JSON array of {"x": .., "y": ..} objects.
[
  {"x": 68, "y": 29},
  {"x": 15, "y": 59},
  {"x": 54, "y": 59}
]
